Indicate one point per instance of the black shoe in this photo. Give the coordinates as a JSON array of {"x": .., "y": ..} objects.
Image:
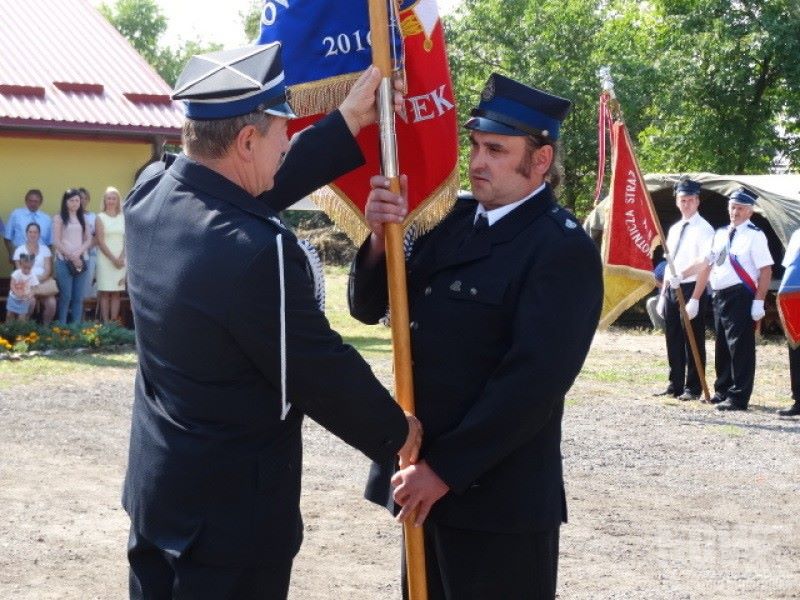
[
  {"x": 715, "y": 399},
  {"x": 667, "y": 392},
  {"x": 792, "y": 411},
  {"x": 727, "y": 404},
  {"x": 686, "y": 396}
]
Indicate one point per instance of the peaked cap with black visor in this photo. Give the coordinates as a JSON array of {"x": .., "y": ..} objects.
[
  {"x": 231, "y": 83},
  {"x": 743, "y": 196},
  {"x": 688, "y": 187},
  {"x": 508, "y": 107}
]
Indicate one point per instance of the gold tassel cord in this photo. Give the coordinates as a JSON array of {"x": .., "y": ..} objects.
[
  {"x": 350, "y": 220},
  {"x": 320, "y": 96}
]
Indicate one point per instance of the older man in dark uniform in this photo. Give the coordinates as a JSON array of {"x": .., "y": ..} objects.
[
  {"x": 505, "y": 295},
  {"x": 233, "y": 348}
]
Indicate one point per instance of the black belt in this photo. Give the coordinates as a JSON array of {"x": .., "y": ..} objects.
[{"x": 737, "y": 288}]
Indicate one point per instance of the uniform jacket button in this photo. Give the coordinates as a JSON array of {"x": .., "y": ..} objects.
[
  {"x": 428, "y": 291},
  {"x": 414, "y": 325}
]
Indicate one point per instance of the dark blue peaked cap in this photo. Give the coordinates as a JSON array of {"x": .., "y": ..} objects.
[
  {"x": 743, "y": 196},
  {"x": 687, "y": 186},
  {"x": 508, "y": 107},
  {"x": 230, "y": 83}
]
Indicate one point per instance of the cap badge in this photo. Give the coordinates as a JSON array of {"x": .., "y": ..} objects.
[{"x": 488, "y": 90}]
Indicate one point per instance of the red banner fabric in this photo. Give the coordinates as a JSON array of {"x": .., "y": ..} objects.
[
  {"x": 788, "y": 301},
  {"x": 632, "y": 232},
  {"x": 427, "y": 134}
]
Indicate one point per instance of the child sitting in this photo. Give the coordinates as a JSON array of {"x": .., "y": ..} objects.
[{"x": 21, "y": 300}]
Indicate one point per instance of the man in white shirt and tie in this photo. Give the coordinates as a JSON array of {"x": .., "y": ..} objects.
[
  {"x": 19, "y": 219},
  {"x": 687, "y": 241},
  {"x": 739, "y": 268}
]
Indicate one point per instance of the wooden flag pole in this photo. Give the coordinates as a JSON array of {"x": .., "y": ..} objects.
[{"x": 396, "y": 273}]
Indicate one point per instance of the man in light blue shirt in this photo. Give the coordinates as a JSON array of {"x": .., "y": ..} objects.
[{"x": 19, "y": 219}]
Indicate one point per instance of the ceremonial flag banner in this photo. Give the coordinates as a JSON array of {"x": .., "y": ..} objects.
[
  {"x": 326, "y": 45},
  {"x": 788, "y": 300},
  {"x": 631, "y": 232}
]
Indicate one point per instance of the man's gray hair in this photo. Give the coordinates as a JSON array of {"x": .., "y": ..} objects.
[{"x": 213, "y": 138}]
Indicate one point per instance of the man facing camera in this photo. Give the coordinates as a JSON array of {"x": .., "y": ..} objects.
[
  {"x": 688, "y": 241},
  {"x": 504, "y": 298}
]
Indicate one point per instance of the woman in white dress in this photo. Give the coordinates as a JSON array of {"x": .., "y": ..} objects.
[{"x": 110, "y": 237}]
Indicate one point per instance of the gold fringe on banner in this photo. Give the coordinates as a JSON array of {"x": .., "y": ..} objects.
[
  {"x": 429, "y": 213},
  {"x": 320, "y": 96},
  {"x": 622, "y": 288},
  {"x": 344, "y": 213},
  {"x": 349, "y": 218}
]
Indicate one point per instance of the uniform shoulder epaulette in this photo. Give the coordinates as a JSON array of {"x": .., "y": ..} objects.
[
  {"x": 564, "y": 218},
  {"x": 753, "y": 227}
]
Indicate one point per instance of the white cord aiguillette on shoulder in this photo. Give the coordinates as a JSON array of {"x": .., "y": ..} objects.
[{"x": 285, "y": 406}]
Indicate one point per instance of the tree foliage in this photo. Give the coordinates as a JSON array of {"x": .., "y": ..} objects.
[
  {"x": 738, "y": 74},
  {"x": 143, "y": 24},
  {"x": 251, "y": 19},
  {"x": 705, "y": 85}
]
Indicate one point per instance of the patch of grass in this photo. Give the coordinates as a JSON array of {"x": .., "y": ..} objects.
[
  {"x": 605, "y": 375},
  {"x": 370, "y": 340},
  {"x": 728, "y": 430},
  {"x": 618, "y": 374},
  {"x": 41, "y": 369}
]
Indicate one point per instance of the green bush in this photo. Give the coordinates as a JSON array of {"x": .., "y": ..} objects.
[{"x": 28, "y": 336}]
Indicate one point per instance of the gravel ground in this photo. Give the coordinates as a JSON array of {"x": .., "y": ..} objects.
[{"x": 667, "y": 500}]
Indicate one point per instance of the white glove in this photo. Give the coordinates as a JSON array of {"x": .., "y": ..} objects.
[
  {"x": 757, "y": 311},
  {"x": 692, "y": 308},
  {"x": 675, "y": 281},
  {"x": 660, "y": 305}
]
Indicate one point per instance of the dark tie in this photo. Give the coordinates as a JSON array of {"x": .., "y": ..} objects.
[
  {"x": 481, "y": 223},
  {"x": 730, "y": 236},
  {"x": 680, "y": 239}
]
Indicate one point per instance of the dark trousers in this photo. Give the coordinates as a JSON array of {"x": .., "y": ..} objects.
[
  {"x": 156, "y": 575},
  {"x": 735, "y": 360},
  {"x": 683, "y": 375},
  {"x": 794, "y": 373},
  {"x": 478, "y": 565}
]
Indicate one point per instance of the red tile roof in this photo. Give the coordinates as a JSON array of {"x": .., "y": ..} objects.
[{"x": 64, "y": 68}]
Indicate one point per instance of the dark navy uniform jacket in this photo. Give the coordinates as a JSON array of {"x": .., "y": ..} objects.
[
  {"x": 500, "y": 326},
  {"x": 214, "y": 470}
]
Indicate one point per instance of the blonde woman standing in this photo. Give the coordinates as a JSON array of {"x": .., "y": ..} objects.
[{"x": 110, "y": 237}]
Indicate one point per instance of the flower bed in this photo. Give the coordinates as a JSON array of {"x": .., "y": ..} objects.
[{"x": 27, "y": 336}]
